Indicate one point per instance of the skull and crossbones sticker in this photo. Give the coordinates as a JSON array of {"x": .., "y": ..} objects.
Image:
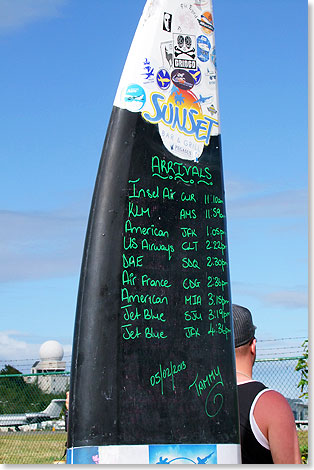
[{"x": 184, "y": 48}]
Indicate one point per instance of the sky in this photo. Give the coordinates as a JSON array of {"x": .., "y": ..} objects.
[{"x": 61, "y": 61}]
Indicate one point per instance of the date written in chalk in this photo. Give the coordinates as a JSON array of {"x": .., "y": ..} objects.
[{"x": 166, "y": 372}]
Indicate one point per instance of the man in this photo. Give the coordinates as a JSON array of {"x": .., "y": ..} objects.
[
  {"x": 268, "y": 433},
  {"x": 66, "y": 418}
]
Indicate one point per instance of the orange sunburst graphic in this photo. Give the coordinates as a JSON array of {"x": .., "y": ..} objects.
[{"x": 185, "y": 100}]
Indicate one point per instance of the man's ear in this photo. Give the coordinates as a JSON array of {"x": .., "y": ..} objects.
[{"x": 253, "y": 347}]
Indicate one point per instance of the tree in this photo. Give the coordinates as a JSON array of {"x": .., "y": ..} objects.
[
  {"x": 9, "y": 370},
  {"x": 19, "y": 396},
  {"x": 302, "y": 366}
]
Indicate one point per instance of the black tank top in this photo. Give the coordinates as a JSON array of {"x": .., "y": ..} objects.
[{"x": 252, "y": 451}]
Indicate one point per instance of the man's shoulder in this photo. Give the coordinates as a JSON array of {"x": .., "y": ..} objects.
[
  {"x": 272, "y": 399},
  {"x": 275, "y": 420},
  {"x": 272, "y": 407}
]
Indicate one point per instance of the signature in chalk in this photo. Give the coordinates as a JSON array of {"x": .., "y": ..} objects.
[{"x": 208, "y": 384}]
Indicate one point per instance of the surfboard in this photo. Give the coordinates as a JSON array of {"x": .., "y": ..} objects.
[{"x": 153, "y": 369}]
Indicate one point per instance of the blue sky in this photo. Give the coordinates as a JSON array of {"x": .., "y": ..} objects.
[{"x": 61, "y": 64}]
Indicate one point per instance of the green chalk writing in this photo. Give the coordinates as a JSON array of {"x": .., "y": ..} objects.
[
  {"x": 151, "y": 230},
  {"x": 178, "y": 171},
  {"x": 165, "y": 372},
  {"x": 207, "y": 384},
  {"x": 142, "y": 298}
]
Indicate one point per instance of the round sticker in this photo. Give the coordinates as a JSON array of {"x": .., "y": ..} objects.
[
  {"x": 182, "y": 79},
  {"x": 134, "y": 98},
  {"x": 163, "y": 79},
  {"x": 203, "y": 48},
  {"x": 197, "y": 75},
  {"x": 206, "y": 22}
]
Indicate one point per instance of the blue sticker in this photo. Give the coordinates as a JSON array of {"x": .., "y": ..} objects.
[
  {"x": 69, "y": 456},
  {"x": 134, "y": 98},
  {"x": 149, "y": 71},
  {"x": 85, "y": 455},
  {"x": 163, "y": 79},
  {"x": 197, "y": 75},
  {"x": 213, "y": 56},
  {"x": 203, "y": 48},
  {"x": 197, "y": 454},
  {"x": 203, "y": 99}
]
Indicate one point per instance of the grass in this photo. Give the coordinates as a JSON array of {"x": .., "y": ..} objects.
[
  {"x": 303, "y": 443},
  {"x": 31, "y": 447},
  {"x": 303, "y": 437},
  {"x": 46, "y": 447}
]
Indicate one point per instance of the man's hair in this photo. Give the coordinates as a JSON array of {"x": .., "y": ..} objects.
[
  {"x": 244, "y": 330},
  {"x": 244, "y": 348}
]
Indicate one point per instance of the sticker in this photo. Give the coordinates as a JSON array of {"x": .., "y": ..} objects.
[
  {"x": 166, "y": 49},
  {"x": 87, "y": 455},
  {"x": 203, "y": 99},
  {"x": 163, "y": 79},
  {"x": 212, "y": 110},
  {"x": 196, "y": 454},
  {"x": 200, "y": 3},
  {"x": 149, "y": 72},
  {"x": 134, "y": 98},
  {"x": 184, "y": 48},
  {"x": 203, "y": 48},
  {"x": 206, "y": 22},
  {"x": 167, "y": 20},
  {"x": 212, "y": 77},
  {"x": 183, "y": 128},
  {"x": 197, "y": 75},
  {"x": 193, "y": 454},
  {"x": 213, "y": 56},
  {"x": 182, "y": 79}
]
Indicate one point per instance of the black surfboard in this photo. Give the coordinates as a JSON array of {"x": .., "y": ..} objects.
[{"x": 153, "y": 370}]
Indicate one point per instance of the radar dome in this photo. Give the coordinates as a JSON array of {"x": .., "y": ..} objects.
[{"x": 51, "y": 350}]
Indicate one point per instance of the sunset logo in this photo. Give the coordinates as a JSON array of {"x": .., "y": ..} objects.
[{"x": 183, "y": 128}]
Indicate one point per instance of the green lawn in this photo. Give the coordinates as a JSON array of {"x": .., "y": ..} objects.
[
  {"x": 303, "y": 442},
  {"x": 46, "y": 447},
  {"x": 31, "y": 447}
]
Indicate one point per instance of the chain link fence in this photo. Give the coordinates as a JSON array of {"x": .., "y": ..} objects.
[
  {"x": 280, "y": 374},
  {"x": 32, "y": 410},
  {"x": 32, "y": 418}
]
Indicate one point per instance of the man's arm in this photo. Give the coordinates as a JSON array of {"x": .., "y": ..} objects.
[{"x": 275, "y": 419}]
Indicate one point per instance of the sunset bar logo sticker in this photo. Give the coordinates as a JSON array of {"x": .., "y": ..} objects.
[{"x": 182, "y": 126}]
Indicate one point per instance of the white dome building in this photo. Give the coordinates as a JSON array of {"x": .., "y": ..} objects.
[
  {"x": 51, "y": 355},
  {"x": 51, "y": 351}
]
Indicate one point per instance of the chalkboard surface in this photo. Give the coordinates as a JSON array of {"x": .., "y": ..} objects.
[{"x": 153, "y": 360}]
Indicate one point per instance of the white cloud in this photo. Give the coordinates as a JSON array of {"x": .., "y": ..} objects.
[
  {"x": 15, "y": 14},
  {"x": 21, "y": 354},
  {"x": 274, "y": 296},
  {"x": 12, "y": 348},
  {"x": 243, "y": 201},
  {"x": 40, "y": 245},
  {"x": 289, "y": 299},
  {"x": 237, "y": 188}
]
